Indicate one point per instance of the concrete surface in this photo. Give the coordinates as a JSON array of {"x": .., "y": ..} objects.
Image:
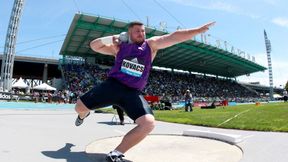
[
  {"x": 230, "y": 138},
  {"x": 49, "y": 135},
  {"x": 170, "y": 148}
]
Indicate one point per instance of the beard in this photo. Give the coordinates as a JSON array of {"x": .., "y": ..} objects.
[{"x": 139, "y": 41}]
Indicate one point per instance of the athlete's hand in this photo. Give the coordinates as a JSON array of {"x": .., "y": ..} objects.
[{"x": 206, "y": 27}]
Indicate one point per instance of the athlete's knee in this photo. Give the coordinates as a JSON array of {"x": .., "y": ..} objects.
[
  {"x": 80, "y": 107},
  {"x": 147, "y": 122},
  {"x": 150, "y": 124}
]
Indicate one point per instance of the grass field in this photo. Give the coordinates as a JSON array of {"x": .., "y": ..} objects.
[{"x": 265, "y": 117}]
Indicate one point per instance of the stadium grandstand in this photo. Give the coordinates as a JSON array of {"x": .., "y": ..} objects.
[{"x": 209, "y": 72}]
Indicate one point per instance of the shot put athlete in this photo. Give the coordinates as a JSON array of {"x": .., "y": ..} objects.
[{"x": 134, "y": 55}]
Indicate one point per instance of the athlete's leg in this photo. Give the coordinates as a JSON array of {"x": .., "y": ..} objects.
[
  {"x": 137, "y": 108},
  {"x": 145, "y": 125},
  {"x": 99, "y": 96},
  {"x": 81, "y": 109}
]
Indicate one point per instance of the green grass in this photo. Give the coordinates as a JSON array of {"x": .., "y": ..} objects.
[{"x": 266, "y": 117}]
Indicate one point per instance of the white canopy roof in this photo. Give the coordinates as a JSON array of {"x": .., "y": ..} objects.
[
  {"x": 44, "y": 87},
  {"x": 20, "y": 84},
  {"x": 277, "y": 96}
]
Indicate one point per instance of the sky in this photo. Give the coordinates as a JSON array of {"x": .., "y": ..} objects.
[{"x": 44, "y": 24}]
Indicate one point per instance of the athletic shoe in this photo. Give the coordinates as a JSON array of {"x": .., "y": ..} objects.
[
  {"x": 114, "y": 158},
  {"x": 79, "y": 121}
]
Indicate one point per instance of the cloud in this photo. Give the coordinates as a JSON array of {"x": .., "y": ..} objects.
[
  {"x": 281, "y": 21},
  {"x": 217, "y": 5},
  {"x": 271, "y": 2}
]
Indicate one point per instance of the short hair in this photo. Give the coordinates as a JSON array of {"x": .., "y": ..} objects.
[{"x": 133, "y": 23}]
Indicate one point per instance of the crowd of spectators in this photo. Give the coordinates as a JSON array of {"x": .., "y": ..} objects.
[
  {"x": 166, "y": 84},
  {"x": 174, "y": 85},
  {"x": 80, "y": 78}
]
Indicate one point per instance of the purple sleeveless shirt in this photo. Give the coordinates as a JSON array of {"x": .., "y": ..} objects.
[{"x": 132, "y": 65}]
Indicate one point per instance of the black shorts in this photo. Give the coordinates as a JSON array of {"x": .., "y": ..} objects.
[{"x": 112, "y": 92}]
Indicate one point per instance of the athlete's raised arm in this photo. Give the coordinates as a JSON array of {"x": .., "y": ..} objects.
[
  {"x": 106, "y": 45},
  {"x": 164, "y": 41}
]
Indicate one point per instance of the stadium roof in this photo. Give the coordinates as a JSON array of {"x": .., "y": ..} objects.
[{"x": 191, "y": 55}]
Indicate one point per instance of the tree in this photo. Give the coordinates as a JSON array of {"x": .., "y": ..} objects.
[{"x": 286, "y": 86}]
